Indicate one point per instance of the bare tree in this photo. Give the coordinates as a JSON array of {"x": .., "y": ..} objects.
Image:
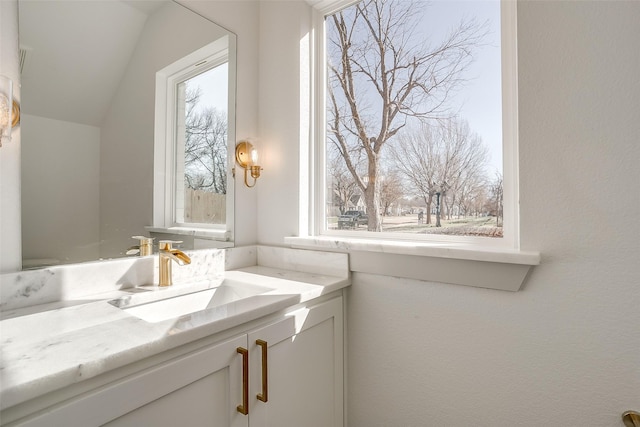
[
  {"x": 447, "y": 159},
  {"x": 471, "y": 196},
  {"x": 205, "y": 154},
  {"x": 342, "y": 183},
  {"x": 381, "y": 74},
  {"x": 497, "y": 196},
  {"x": 463, "y": 158},
  {"x": 390, "y": 190},
  {"x": 415, "y": 154}
]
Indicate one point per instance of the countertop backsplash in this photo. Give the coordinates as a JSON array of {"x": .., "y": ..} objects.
[{"x": 74, "y": 281}]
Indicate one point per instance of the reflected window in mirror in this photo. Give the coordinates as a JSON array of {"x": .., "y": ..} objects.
[
  {"x": 192, "y": 182},
  {"x": 201, "y": 147}
]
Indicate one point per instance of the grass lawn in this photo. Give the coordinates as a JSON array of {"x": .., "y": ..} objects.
[{"x": 467, "y": 226}]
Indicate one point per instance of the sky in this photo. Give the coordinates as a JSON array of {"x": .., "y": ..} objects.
[
  {"x": 214, "y": 86},
  {"x": 479, "y": 101},
  {"x": 214, "y": 92}
]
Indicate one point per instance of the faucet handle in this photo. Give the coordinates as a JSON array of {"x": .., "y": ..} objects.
[
  {"x": 144, "y": 248},
  {"x": 165, "y": 245}
]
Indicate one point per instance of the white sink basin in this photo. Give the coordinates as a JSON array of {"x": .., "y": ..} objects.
[{"x": 158, "y": 306}]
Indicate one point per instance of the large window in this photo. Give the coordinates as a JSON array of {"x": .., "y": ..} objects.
[{"x": 419, "y": 111}]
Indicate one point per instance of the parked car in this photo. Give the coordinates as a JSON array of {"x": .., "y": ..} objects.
[{"x": 352, "y": 219}]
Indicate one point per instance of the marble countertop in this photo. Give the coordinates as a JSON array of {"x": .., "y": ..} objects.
[{"x": 50, "y": 346}]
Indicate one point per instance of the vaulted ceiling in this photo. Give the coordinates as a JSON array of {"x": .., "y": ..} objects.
[{"x": 75, "y": 54}]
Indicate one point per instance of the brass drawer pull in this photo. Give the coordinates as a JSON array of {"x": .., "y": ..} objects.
[
  {"x": 244, "y": 408},
  {"x": 631, "y": 419},
  {"x": 264, "y": 396}
]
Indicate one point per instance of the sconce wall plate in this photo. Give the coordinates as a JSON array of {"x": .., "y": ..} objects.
[
  {"x": 246, "y": 157},
  {"x": 15, "y": 113},
  {"x": 243, "y": 153}
]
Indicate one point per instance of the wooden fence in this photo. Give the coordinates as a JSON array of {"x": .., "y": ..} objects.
[{"x": 204, "y": 207}]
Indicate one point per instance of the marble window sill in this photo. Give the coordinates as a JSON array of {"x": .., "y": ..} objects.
[
  {"x": 458, "y": 264},
  {"x": 220, "y": 235}
]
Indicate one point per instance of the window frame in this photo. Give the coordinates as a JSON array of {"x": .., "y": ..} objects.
[
  {"x": 317, "y": 224},
  {"x": 165, "y": 191}
]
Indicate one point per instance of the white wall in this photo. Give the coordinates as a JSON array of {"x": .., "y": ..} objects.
[
  {"x": 284, "y": 132},
  {"x": 565, "y": 350},
  {"x": 10, "y": 241},
  {"x": 60, "y": 191}
]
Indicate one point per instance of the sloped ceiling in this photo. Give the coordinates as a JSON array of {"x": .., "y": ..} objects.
[{"x": 76, "y": 54}]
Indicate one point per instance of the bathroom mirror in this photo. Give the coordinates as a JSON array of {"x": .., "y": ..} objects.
[{"x": 89, "y": 105}]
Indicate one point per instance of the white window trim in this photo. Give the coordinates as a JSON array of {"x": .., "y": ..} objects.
[
  {"x": 164, "y": 144},
  {"x": 481, "y": 262}
]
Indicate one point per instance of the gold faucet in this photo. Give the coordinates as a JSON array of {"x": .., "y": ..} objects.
[{"x": 166, "y": 254}]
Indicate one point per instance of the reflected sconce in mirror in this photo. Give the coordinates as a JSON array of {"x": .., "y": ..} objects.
[
  {"x": 9, "y": 110},
  {"x": 247, "y": 158}
]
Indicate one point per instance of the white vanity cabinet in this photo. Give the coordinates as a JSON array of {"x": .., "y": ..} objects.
[
  {"x": 193, "y": 390},
  {"x": 303, "y": 386},
  {"x": 293, "y": 363}
]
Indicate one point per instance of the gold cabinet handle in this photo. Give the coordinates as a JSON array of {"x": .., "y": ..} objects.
[
  {"x": 244, "y": 408},
  {"x": 631, "y": 419},
  {"x": 264, "y": 396}
]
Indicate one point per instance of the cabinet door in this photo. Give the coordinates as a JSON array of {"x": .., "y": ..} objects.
[
  {"x": 304, "y": 383},
  {"x": 200, "y": 389}
]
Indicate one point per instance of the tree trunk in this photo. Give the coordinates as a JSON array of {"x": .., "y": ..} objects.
[
  {"x": 372, "y": 196},
  {"x": 428, "y": 212},
  {"x": 372, "y": 199}
]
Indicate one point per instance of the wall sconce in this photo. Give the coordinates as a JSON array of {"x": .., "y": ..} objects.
[
  {"x": 9, "y": 109},
  {"x": 247, "y": 158}
]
